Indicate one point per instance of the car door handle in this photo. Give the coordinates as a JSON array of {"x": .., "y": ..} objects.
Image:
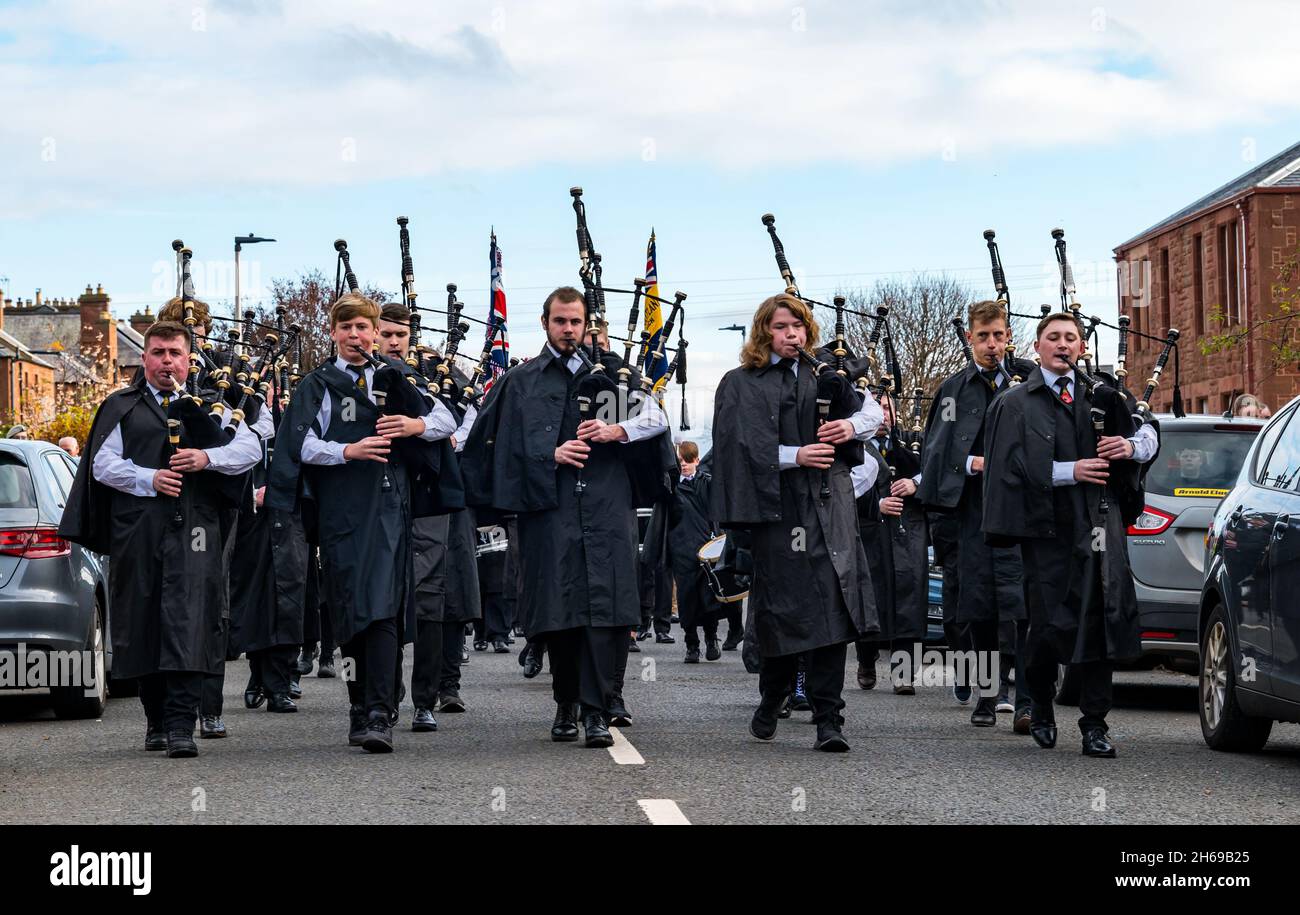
[{"x": 1280, "y": 526}]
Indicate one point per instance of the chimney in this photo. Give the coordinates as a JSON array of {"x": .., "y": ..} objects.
[
  {"x": 98, "y": 333},
  {"x": 38, "y": 297},
  {"x": 140, "y": 321}
]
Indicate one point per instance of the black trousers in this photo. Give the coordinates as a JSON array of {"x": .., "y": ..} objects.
[
  {"x": 656, "y": 599},
  {"x": 497, "y": 621},
  {"x": 824, "y": 680},
  {"x": 374, "y": 652},
  {"x": 1095, "y": 696},
  {"x": 171, "y": 699},
  {"x": 210, "y": 698},
  {"x": 453, "y": 645},
  {"x": 269, "y": 668},
  {"x": 735, "y": 625},
  {"x": 1013, "y": 662},
  {"x": 318, "y": 627},
  {"x": 584, "y": 664},
  {"x": 426, "y": 667}
]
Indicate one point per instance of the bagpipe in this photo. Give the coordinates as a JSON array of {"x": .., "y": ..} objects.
[
  {"x": 838, "y": 397},
  {"x": 394, "y": 396}
]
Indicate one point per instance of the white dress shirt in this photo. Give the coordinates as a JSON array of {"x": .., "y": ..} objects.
[
  {"x": 125, "y": 475},
  {"x": 645, "y": 419},
  {"x": 865, "y": 422},
  {"x": 1144, "y": 441},
  {"x": 438, "y": 423}
]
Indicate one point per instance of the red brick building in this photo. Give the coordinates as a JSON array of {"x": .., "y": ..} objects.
[{"x": 1220, "y": 253}]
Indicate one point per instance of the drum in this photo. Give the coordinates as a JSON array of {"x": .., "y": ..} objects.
[{"x": 720, "y": 576}]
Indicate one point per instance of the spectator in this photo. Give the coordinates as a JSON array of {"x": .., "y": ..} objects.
[
  {"x": 69, "y": 444},
  {"x": 1246, "y": 405},
  {"x": 17, "y": 431}
]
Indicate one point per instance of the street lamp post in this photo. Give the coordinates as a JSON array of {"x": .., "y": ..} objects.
[{"x": 240, "y": 241}]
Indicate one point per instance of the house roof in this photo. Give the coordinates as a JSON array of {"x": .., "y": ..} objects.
[
  {"x": 11, "y": 348},
  {"x": 1283, "y": 170}
]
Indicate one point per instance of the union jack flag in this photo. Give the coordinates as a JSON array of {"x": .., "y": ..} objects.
[{"x": 497, "y": 319}]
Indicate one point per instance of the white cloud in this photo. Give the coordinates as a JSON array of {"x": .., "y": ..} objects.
[{"x": 284, "y": 93}]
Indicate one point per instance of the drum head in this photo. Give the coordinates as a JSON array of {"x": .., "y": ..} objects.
[{"x": 712, "y": 551}]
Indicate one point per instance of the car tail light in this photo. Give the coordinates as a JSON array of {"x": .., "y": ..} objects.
[
  {"x": 1160, "y": 635},
  {"x": 1151, "y": 521},
  {"x": 33, "y": 543}
]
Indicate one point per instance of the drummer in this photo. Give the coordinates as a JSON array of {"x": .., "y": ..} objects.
[{"x": 688, "y": 529}]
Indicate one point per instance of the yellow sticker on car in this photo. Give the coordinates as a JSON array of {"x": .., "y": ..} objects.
[{"x": 1201, "y": 493}]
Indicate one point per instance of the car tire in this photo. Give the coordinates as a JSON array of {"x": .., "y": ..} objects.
[
  {"x": 1067, "y": 685},
  {"x": 1223, "y": 724},
  {"x": 72, "y": 701}
]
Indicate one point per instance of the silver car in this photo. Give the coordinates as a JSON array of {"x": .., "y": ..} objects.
[
  {"x": 1199, "y": 461},
  {"x": 53, "y": 593}
]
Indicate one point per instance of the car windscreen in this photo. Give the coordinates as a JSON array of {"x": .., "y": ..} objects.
[
  {"x": 1199, "y": 462},
  {"x": 16, "y": 490}
]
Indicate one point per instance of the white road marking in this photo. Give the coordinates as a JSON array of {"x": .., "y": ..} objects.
[
  {"x": 623, "y": 752},
  {"x": 663, "y": 812}
]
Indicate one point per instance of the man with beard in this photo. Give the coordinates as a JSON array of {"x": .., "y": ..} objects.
[
  {"x": 986, "y": 581},
  {"x": 574, "y": 483},
  {"x": 787, "y": 480},
  {"x": 1065, "y": 492},
  {"x": 156, "y": 509}
]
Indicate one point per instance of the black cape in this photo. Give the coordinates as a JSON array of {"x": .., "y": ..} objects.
[
  {"x": 1076, "y": 559},
  {"x": 896, "y": 547},
  {"x": 578, "y": 554},
  {"x": 811, "y": 586},
  {"x": 168, "y": 590}
]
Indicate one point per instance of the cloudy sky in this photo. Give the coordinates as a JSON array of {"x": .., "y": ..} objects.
[{"x": 885, "y": 137}]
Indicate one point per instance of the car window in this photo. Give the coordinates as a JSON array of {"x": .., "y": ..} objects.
[
  {"x": 1199, "y": 462},
  {"x": 16, "y": 489},
  {"x": 62, "y": 476},
  {"x": 1267, "y": 441},
  {"x": 1283, "y": 468}
]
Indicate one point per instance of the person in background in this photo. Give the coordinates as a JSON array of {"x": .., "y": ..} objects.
[{"x": 70, "y": 445}]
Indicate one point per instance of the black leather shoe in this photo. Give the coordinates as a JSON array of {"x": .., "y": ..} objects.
[
  {"x": 280, "y": 702},
  {"x": 619, "y": 716},
  {"x": 254, "y": 697},
  {"x": 1020, "y": 722},
  {"x": 394, "y": 716},
  {"x": 986, "y": 713},
  {"x": 303, "y": 664},
  {"x": 155, "y": 739},
  {"x": 211, "y": 727},
  {"x": 633, "y": 647},
  {"x": 830, "y": 739},
  {"x": 326, "y": 670},
  {"x": 379, "y": 734},
  {"x": 692, "y": 656},
  {"x": 424, "y": 721},
  {"x": 464, "y": 655},
  {"x": 866, "y": 676},
  {"x": 598, "y": 734},
  {"x": 480, "y": 645},
  {"x": 711, "y": 650},
  {"x": 1043, "y": 732},
  {"x": 1096, "y": 743},
  {"x": 181, "y": 745},
  {"x": 643, "y": 634},
  {"x": 664, "y": 638},
  {"x": 500, "y": 647},
  {"x": 532, "y": 665},
  {"x": 451, "y": 703},
  {"x": 904, "y": 689},
  {"x": 356, "y": 725},
  {"x": 763, "y": 724},
  {"x": 565, "y": 727},
  {"x": 733, "y": 641},
  {"x": 295, "y": 687},
  {"x": 784, "y": 710}
]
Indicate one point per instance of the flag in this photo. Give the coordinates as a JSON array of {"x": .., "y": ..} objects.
[
  {"x": 655, "y": 370},
  {"x": 497, "y": 318}
]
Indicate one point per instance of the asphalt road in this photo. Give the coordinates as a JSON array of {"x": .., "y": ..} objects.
[{"x": 687, "y": 756}]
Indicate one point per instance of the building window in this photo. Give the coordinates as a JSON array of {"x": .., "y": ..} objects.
[
  {"x": 1227, "y": 269},
  {"x": 1198, "y": 285}
]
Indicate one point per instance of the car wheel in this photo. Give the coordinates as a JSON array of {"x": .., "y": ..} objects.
[
  {"x": 73, "y": 701},
  {"x": 1223, "y": 724},
  {"x": 1067, "y": 685}
]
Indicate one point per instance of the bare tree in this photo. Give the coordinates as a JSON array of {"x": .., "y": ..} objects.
[
  {"x": 921, "y": 310},
  {"x": 306, "y": 301}
]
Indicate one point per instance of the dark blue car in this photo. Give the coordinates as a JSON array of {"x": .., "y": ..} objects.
[{"x": 1250, "y": 603}]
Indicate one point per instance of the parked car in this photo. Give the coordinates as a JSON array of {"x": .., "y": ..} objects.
[
  {"x": 1249, "y": 615},
  {"x": 1199, "y": 461},
  {"x": 53, "y": 593}
]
